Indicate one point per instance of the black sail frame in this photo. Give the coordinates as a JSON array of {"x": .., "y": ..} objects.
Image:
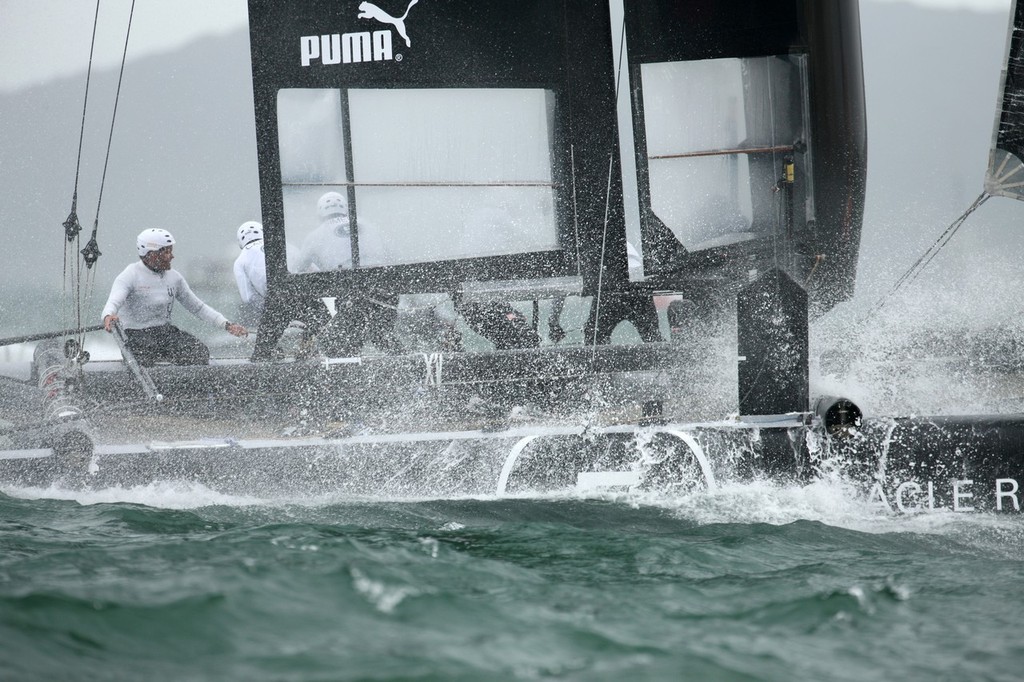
[
  {"x": 563, "y": 48},
  {"x": 466, "y": 56}
]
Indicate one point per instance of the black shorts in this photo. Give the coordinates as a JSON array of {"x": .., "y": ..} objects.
[{"x": 166, "y": 343}]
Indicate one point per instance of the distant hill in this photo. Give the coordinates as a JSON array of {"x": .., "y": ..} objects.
[{"x": 183, "y": 158}]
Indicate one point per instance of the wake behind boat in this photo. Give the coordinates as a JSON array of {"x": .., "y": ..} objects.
[{"x": 693, "y": 172}]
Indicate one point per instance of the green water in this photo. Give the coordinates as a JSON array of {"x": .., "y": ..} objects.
[{"x": 754, "y": 582}]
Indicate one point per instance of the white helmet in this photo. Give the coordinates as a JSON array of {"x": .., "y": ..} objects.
[
  {"x": 249, "y": 232},
  {"x": 332, "y": 204},
  {"x": 153, "y": 239}
]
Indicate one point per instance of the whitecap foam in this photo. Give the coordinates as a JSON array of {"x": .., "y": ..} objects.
[
  {"x": 158, "y": 494},
  {"x": 836, "y": 502}
]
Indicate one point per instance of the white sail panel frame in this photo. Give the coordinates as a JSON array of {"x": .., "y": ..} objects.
[
  {"x": 703, "y": 184},
  {"x": 435, "y": 174}
]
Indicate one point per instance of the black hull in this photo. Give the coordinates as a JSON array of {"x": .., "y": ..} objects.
[
  {"x": 958, "y": 464},
  {"x": 906, "y": 465},
  {"x": 524, "y": 460}
]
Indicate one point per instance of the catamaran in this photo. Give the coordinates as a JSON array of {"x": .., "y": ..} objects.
[{"x": 693, "y": 170}]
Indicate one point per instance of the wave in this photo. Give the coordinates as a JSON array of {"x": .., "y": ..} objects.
[{"x": 835, "y": 504}]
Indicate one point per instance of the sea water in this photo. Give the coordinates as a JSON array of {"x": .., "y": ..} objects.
[
  {"x": 751, "y": 581},
  {"x": 757, "y": 581}
]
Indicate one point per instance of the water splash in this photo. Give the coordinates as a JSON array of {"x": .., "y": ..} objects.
[
  {"x": 932, "y": 350},
  {"x": 168, "y": 494}
]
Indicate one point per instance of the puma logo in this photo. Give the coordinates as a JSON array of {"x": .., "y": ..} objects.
[{"x": 367, "y": 10}]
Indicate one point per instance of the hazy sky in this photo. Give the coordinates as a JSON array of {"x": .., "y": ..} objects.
[{"x": 44, "y": 39}]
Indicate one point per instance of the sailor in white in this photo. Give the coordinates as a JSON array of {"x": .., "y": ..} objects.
[
  {"x": 142, "y": 298},
  {"x": 251, "y": 277},
  {"x": 251, "y": 270},
  {"x": 329, "y": 246}
]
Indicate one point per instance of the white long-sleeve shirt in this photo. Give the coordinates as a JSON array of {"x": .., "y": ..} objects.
[
  {"x": 143, "y": 298},
  {"x": 251, "y": 275},
  {"x": 329, "y": 247},
  {"x": 324, "y": 249}
]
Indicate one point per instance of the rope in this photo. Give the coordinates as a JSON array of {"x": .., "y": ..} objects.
[
  {"x": 82, "y": 290},
  {"x": 48, "y": 335},
  {"x": 921, "y": 263},
  {"x": 83, "y": 287},
  {"x": 814, "y": 268},
  {"x": 91, "y": 251},
  {"x": 72, "y": 226},
  {"x": 600, "y": 269},
  {"x": 575, "y": 210}
]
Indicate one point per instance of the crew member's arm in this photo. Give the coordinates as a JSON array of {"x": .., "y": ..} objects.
[
  {"x": 204, "y": 312},
  {"x": 118, "y": 295},
  {"x": 307, "y": 257}
]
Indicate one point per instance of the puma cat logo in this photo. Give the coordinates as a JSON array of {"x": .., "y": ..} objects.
[{"x": 367, "y": 10}]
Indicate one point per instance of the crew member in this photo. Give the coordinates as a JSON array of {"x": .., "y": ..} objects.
[
  {"x": 251, "y": 271},
  {"x": 329, "y": 246},
  {"x": 142, "y": 298},
  {"x": 251, "y": 276},
  {"x": 362, "y": 315}
]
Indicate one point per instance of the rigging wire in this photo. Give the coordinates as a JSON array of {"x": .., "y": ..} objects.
[
  {"x": 575, "y": 210},
  {"x": 600, "y": 269},
  {"x": 91, "y": 252},
  {"x": 72, "y": 226},
  {"x": 922, "y": 262}
]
